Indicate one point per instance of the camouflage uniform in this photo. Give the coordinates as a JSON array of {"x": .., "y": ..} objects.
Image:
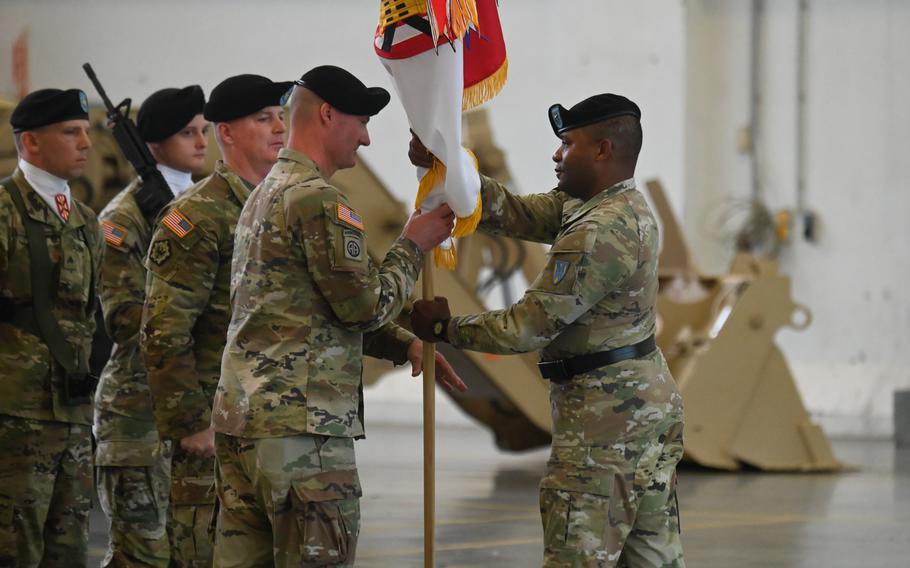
[
  {"x": 184, "y": 321},
  {"x": 308, "y": 304},
  {"x": 46, "y": 466},
  {"x": 609, "y": 495},
  {"x": 132, "y": 464}
]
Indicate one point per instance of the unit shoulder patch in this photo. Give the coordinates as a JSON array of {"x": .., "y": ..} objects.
[
  {"x": 353, "y": 245},
  {"x": 114, "y": 234},
  {"x": 560, "y": 269},
  {"x": 177, "y": 223},
  {"x": 160, "y": 251},
  {"x": 349, "y": 216}
]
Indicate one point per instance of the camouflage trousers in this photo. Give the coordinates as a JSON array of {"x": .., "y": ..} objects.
[
  {"x": 135, "y": 500},
  {"x": 290, "y": 501},
  {"x": 45, "y": 493},
  {"x": 613, "y": 506},
  {"x": 190, "y": 522}
]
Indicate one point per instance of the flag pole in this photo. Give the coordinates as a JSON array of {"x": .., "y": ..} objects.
[{"x": 429, "y": 430}]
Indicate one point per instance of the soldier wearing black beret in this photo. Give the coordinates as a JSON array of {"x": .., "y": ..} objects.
[
  {"x": 133, "y": 464},
  {"x": 50, "y": 252},
  {"x": 591, "y": 313},
  {"x": 187, "y": 304}
]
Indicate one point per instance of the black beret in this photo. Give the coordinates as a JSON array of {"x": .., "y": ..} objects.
[
  {"x": 344, "y": 91},
  {"x": 168, "y": 111},
  {"x": 593, "y": 109},
  {"x": 242, "y": 95},
  {"x": 47, "y": 106}
]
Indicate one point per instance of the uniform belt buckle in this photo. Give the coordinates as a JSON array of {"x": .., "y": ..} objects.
[{"x": 555, "y": 371}]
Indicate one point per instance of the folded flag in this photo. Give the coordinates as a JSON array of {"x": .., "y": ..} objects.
[{"x": 445, "y": 57}]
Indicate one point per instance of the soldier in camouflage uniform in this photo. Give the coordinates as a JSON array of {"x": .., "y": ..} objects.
[
  {"x": 186, "y": 312},
  {"x": 132, "y": 463},
  {"x": 45, "y": 425},
  {"x": 609, "y": 495},
  {"x": 308, "y": 303}
]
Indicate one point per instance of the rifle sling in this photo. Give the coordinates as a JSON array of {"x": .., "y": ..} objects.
[{"x": 43, "y": 285}]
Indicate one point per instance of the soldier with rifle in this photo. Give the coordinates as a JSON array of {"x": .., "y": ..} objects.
[
  {"x": 187, "y": 310},
  {"x": 50, "y": 258},
  {"x": 132, "y": 462}
]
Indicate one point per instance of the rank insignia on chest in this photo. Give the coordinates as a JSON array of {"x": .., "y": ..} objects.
[
  {"x": 560, "y": 269},
  {"x": 177, "y": 223},
  {"x": 349, "y": 216},
  {"x": 160, "y": 251},
  {"x": 114, "y": 234}
]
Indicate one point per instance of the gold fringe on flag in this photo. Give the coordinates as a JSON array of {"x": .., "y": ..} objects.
[
  {"x": 481, "y": 92},
  {"x": 464, "y": 226}
]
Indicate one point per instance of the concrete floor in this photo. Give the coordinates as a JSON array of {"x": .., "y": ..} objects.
[{"x": 487, "y": 508}]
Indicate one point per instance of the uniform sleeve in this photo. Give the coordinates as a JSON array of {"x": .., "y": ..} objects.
[
  {"x": 535, "y": 217},
  {"x": 181, "y": 275},
  {"x": 362, "y": 296},
  {"x": 584, "y": 266},
  {"x": 96, "y": 244},
  {"x": 122, "y": 279},
  {"x": 389, "y": 342}
]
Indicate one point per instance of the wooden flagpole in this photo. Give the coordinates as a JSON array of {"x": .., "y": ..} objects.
[{"x": 429, "y": 431}]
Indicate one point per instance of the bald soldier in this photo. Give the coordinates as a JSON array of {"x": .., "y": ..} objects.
[
  {"x": 186, "y": 310},
  {"x": 308, "y": 303},
  {"x": 608, "y": 497},
  {"x": 132, "y": 463},
  {"x": 50, "y": 259}
]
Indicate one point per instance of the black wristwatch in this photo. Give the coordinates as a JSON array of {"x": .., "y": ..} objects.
[{"x": 441, "y": 329}]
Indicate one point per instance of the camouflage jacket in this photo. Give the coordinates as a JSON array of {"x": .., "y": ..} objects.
[
  {"x": 599, "y": 288},
  {"x": 597, "y": 292},
  {"x": 31, "y": 382},
  {"x": 308, "y": 303},
  {"x": 124, "y": 424},
  {"x": 187, "y": 308}
]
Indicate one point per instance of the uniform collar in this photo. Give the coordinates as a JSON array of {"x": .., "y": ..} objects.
[
  {"x": 612, "y": 191},
  {"x": 37, "y": 206},
  {"x": 239, "y": 186},
  {"x": 177, "y": 180},
  {"x": 46, "y": 185},
  {"x": 300, "y": 158}
]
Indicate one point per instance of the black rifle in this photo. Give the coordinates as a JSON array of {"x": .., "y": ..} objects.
[{"x": 154, "y": 194}]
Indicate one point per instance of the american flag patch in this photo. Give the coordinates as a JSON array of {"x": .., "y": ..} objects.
[
  {"x": 347, "y": 215},
  {"x": 114, "y": 234},
  {"x": 176, "y": 222}
]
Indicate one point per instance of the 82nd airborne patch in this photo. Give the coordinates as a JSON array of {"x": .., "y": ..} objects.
[
  {"x": 160, "y": 251},
  {"x": 353, "y": 245}
]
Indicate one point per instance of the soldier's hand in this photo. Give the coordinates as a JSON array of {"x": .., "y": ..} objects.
[
  {"x": 201, "y": 443},
  {"x": 429, "y": 229},
  {"x": 445, "y": 374},
  {"x": 430, "y": 318},
  {"x": 418, "y": 153}
]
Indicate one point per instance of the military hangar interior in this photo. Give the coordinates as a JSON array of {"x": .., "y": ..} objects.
[{"x": 775, "y": 136}]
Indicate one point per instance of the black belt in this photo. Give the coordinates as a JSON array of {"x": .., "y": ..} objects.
[{"x": 562, "y": 370}]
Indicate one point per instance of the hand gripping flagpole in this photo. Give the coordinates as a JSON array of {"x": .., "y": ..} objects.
[{"x": 429, "y": 431}]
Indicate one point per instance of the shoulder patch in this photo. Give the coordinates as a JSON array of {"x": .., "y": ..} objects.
[
  {"x": 349, "y": 216},
  {"x": 177, "y": 223},
  {"x": 160, "y": 251},
  {"x": 114, "y": 234},
  {"x": 560, "y": 269}
]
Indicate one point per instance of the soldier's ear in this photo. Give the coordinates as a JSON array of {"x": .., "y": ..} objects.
[
  {"x": 326, "y": 112},
  {"x": 604, "y": 150},
  {"x": 29, "y": 142}
]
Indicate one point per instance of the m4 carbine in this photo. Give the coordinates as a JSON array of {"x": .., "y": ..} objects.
[{"x": 153, "y": 194}]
